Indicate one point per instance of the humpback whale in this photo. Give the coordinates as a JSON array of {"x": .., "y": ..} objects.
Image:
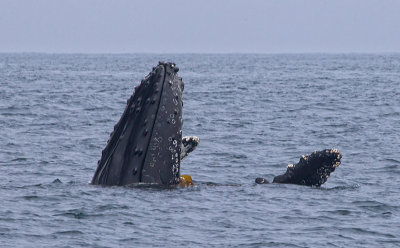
[
  {"x": 146, "y": 145},
  {"x": 311, "y": 170}
]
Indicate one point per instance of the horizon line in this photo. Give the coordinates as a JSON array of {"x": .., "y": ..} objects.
[{"x": 204, "y": 53}]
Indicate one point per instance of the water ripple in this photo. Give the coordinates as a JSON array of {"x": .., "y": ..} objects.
[{"x": 254, "y": 115}]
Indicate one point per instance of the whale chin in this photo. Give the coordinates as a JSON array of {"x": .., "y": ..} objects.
[
  {"x": 311, "y": 170},
  {"x": 145, "y": 146}
]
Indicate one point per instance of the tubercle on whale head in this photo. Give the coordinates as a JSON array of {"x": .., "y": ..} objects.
[{"x": 143, "y": 148}]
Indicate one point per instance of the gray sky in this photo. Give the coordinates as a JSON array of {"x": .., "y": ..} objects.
[{"x": 217, "y": 26}]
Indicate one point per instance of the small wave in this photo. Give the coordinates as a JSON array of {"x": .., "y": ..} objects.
[
  {"x": 69, "y": 232},
  {"x": 340, "y": 188},
  {"x": 111, "y": 206},
  {"x": 19, "y": 159},
  {"x": 373, "y": 206},
  {"x": 74, "y": 214},
  {"x": 212, "y": 184},
  {"x": 340, "y": 212},
  {"x": 38, "y": 185},
  {"x": 359, "y": 230},
  {"x": 31, "y": 197},
  {"x": 57, "y": 181},
  {"x": 392, "y": 160}
]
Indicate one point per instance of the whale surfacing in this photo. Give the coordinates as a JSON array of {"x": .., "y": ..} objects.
[
  {"x": 145, "y": 146},
  {"x": 311, "y": 170}
]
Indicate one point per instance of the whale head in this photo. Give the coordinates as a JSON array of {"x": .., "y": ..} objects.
[{"x": 145, "y": 145}]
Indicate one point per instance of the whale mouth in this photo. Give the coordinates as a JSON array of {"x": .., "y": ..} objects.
[
  {"x": 145, "y": 145},
  {"x": 313, "y": 169}
]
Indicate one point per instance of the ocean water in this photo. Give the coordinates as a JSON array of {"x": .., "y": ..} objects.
[{"x": 254, "y": 115}]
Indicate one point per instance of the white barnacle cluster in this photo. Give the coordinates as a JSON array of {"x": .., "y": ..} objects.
[
  {"x": 173, "y": 148},
  {"x": 172, "y": 116},
  {"x": 155, "y": 148},
  {"x": 290, "y": 166},
  {"x": 175, "y": 169},
  {"x": 186, "y": 139},
  {"x": 189, "y": 143},
  {"x": 175, "y": 101},
  {"x": 334, "y": 150},
  {"x": 338, "y": 157}
]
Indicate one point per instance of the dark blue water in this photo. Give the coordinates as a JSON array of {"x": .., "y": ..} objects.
[{"x": 254, "y": 115}]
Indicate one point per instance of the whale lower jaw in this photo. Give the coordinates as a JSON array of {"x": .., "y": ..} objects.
[{"x": 145, "y": 145}]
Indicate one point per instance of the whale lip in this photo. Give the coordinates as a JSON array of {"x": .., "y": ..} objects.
[{"x": 145, "y": 144}]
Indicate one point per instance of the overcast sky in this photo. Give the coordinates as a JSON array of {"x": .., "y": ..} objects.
[{"x": 212, "y": 26}]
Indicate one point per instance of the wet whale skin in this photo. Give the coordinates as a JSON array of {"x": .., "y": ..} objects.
[{"x": 145, "y": 144}]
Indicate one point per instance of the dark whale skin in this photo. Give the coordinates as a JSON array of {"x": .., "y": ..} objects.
[
  {"x": 145, "y": 144},
  {"x": 311, "y": 170}
]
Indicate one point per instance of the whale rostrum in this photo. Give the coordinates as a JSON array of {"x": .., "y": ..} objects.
[{"x": 146, "y": 144}]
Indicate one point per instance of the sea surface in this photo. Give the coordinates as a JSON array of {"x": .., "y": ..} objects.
[{"x": 253, "y": 113}]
